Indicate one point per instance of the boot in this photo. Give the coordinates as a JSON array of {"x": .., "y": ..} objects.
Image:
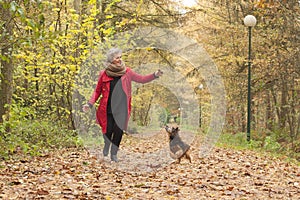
[
  {"x": 107, "y": 144},
  {"x": 113, "y": 152},
  {"x": 105, "y": 150},
  {"x": 114, "y": 158}
]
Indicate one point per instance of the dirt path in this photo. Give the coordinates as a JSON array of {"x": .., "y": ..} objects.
[{"x": 145, "y": 171}]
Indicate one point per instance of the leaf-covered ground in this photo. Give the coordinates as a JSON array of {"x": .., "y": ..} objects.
[{"x": 146, "y": 171}]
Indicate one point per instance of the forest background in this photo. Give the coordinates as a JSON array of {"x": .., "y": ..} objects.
[{"x": 45, "y": 43}]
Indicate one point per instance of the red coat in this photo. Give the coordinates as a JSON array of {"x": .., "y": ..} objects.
[{"x": 103, "y": 87}]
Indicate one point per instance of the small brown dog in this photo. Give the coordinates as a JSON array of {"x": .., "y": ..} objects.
[{"x": 178, "y": 148}]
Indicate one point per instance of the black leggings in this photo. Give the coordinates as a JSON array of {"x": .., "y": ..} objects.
[{"x": 114, "y": 132}]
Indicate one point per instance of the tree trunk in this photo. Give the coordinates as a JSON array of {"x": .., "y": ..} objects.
[
  {"x": 269, "y": 112},
  {"x": 284, "y": 104},
  {"x": 77, "y": 6},
  {"x": 6, "y": 68}
]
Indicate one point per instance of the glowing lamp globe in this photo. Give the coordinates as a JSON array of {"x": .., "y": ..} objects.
[{"x": 250, "y": 21}]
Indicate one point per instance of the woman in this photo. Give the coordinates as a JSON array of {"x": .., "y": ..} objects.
[{"x": 114, "y": 84}]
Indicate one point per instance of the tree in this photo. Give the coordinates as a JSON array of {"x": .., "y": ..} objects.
[
  {"x": 7, "y": 9},
  {"x": 275, "y": 70}
]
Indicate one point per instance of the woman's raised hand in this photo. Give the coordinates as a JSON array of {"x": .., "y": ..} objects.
[{"x": 158, "y": 73}]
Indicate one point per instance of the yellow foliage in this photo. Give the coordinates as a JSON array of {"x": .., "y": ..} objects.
[
  {"x": 56, "y": 9},
  {"x": 109, "y": 16},
  {"x": 73, "y": 68}
]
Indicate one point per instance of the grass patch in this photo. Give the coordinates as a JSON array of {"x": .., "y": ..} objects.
[{"x": 268, "y": 145}]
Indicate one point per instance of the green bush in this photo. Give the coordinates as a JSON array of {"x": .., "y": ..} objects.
[
  {"x": 33, "y": 137},
  {"x": 271, "y": 144}
]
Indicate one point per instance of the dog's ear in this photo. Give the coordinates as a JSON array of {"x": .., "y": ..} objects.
[{"x": 168, "y": 129}]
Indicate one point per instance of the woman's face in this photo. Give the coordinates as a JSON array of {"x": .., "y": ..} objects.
[{"x": 117, "y": 60}]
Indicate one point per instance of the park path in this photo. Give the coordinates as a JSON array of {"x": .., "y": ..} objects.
[{"x": 145, "y": 171}]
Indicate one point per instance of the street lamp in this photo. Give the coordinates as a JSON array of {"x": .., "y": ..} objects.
[{"x": 249, "y": 21}]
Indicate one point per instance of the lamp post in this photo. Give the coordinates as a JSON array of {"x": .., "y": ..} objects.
[{"x": 249, "y": 21}]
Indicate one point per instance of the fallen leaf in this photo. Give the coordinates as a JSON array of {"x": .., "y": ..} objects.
[{"x": 42, "y": 192}]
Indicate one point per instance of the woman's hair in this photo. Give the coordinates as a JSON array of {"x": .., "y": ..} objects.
[{"x": 111, "y": 53}]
